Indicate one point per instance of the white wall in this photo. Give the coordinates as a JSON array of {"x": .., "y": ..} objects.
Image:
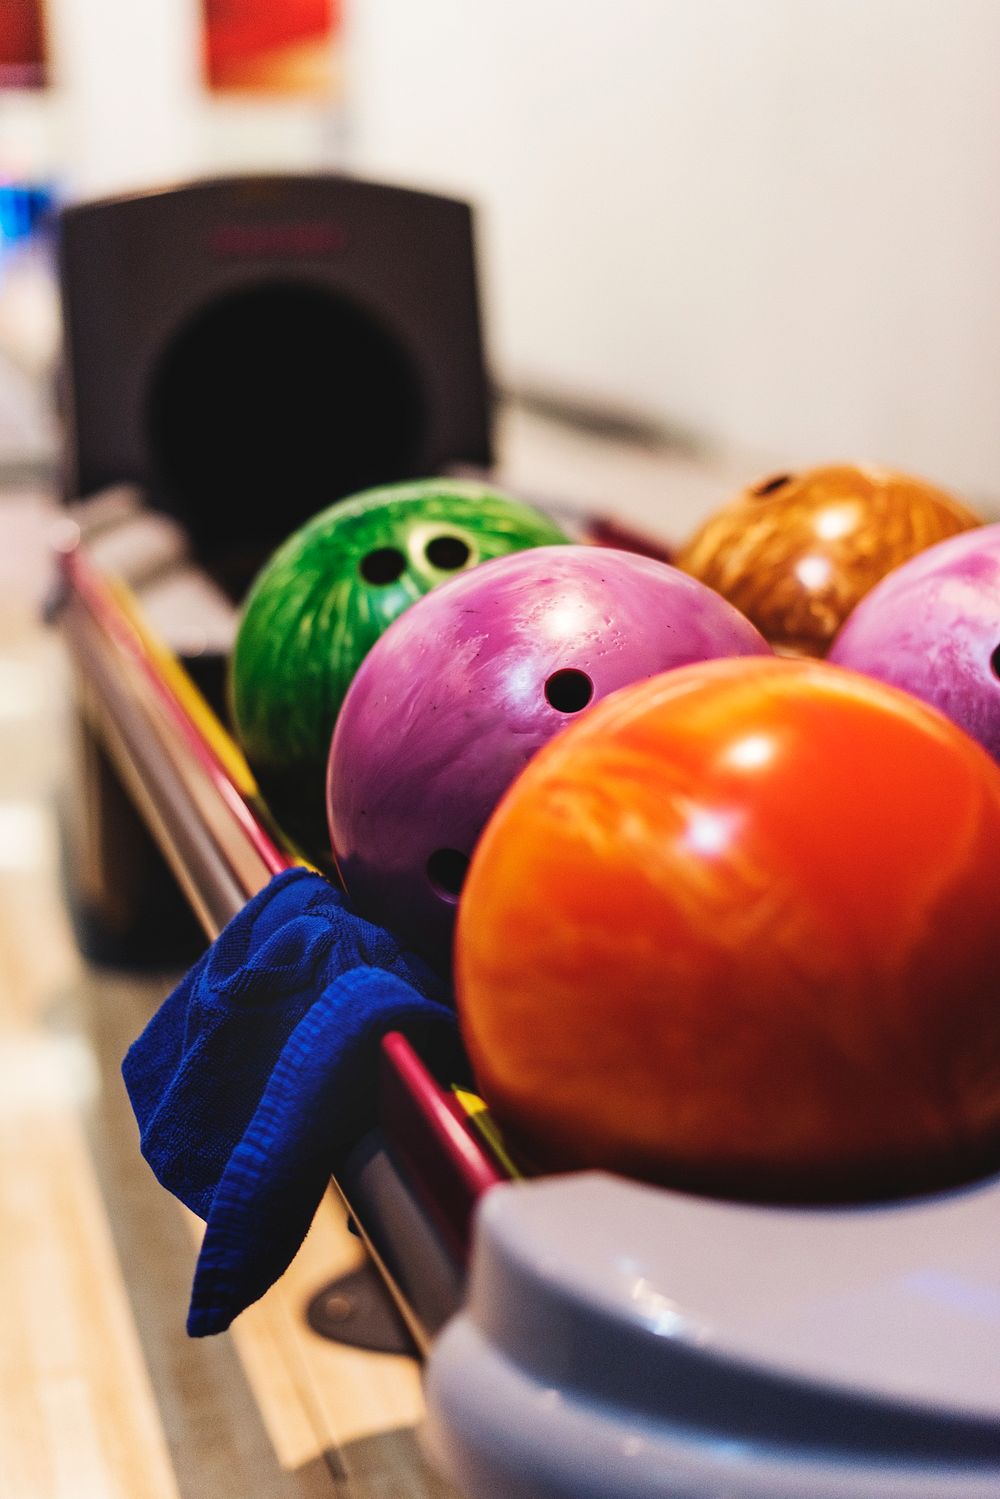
[{"x": 776, "y": 222}]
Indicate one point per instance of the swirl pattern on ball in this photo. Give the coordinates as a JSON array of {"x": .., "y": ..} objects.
[
  {"x": 796, "y": 552},
  {"x": 736, "y": 930},
  {"x": 932, "y": 627},
  {"x": 457, "y": 696}
]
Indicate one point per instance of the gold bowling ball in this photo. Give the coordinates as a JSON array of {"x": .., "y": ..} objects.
[{"x": 796, "y": 552}]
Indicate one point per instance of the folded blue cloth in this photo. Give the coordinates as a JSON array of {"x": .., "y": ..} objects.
[{"x": 257, "y": 1075}]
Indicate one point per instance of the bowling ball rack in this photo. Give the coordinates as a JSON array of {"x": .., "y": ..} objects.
[
  {"x": 589, "y": 1336},
  {"x": 197, "y": 796}
]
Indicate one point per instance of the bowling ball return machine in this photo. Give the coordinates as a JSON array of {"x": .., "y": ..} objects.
[
  {"x": 586, "y": 1336},
  {"x": 239, "y": 354}
]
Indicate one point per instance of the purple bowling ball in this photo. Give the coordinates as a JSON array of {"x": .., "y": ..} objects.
[
  {"x": 459, "y": 693},
  {"x": 932, "y": 627}
]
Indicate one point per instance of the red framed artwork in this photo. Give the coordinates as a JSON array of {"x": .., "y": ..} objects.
[
  {"x": 270, "y": 46},
  {"x": 22, "y": 44}
]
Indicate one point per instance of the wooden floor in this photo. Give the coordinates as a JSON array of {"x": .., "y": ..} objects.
[{"x": 102, "y": 1395}]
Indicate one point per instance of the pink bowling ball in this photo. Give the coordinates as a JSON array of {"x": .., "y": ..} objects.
[
  {"x": 460, "y": 692},
  {"x": 932, "y": 627}
]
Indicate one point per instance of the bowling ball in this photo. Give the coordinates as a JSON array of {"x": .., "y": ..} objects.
[
  {"x": 457, "y": 696},
  {"x": 932, "y": 627},
  {"x": 323, "y": 600},
  {"x": 737, "y": 931},
  {"x": 797, "y": 551}
]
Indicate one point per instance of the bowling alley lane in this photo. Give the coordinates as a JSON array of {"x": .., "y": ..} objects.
[{"x": 102, "y": 1394}]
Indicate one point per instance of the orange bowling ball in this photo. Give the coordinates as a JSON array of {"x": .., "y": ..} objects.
[
  {"x": 738, "y": 930},
  {"x": 796, "y": 552}
]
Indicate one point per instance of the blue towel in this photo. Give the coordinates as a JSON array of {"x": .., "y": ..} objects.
[{"x": 257, "y": 1075}]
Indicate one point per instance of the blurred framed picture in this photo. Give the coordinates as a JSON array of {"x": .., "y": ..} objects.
[
  {"x": 22, "y": 44},
  {"x": 270, "y": 46}
]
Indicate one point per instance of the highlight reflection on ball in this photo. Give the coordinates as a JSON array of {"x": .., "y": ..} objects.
[
  {"x": 736, "y": 930},
  {"x": 796, "y": 552},
  {"x": 460, "y": 693}
]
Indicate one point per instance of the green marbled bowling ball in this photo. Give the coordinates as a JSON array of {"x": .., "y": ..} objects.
[{"x": 322, "y": 601}]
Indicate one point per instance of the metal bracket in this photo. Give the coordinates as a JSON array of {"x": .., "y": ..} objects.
[{"x": 357, "y": 1310}]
